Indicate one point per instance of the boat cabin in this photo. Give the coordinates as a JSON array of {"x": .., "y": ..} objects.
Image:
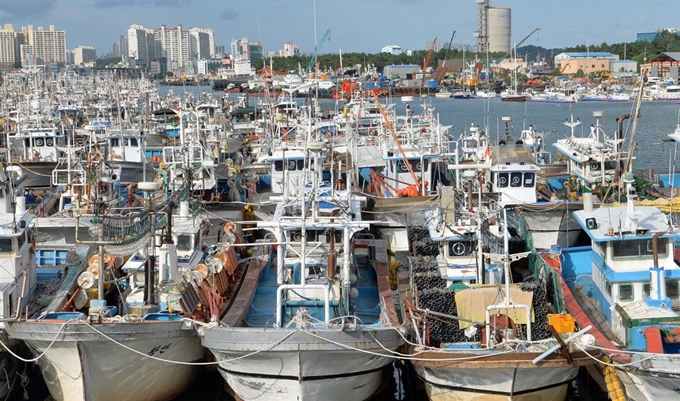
[
  {"x": 125, "y": 147},
  {"x": 178, "y": 160},
  {"x": 635, "y": 280},
  {"x": 39, "y": 144},
  {"x": 400, "y": 171},
  {"x": 17, "y": 244},
  {"x": 513, "y": 174}
]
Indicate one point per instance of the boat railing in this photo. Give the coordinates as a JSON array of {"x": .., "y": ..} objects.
[
  {"x": 283, "y": 289},
  {"x": 75, "y": 177},
  {"x": 505, "y": 307}
]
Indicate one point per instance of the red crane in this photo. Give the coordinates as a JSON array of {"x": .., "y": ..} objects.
[{"x": 428, "y": 57}]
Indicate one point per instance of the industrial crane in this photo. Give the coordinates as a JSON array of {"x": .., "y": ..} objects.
[
  {"x": 428, "y": 57},
  {"x": 520, "y": 43},
  {"x": 441, "y": 71},
  {"x": 325, "y": 37}
]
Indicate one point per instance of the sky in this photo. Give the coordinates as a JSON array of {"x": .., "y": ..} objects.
[{"x": 355, "y": 25}]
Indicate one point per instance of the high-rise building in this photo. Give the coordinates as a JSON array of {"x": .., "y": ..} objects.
[
  {"x": 244, "y": 48},
  {"x": 44, "y": 46},
  {"x": 178, "y": 47},
  {"x": 84, "y": 54},
  {"x": 290, "y": 49},
  {"x": 120, "y": 48},
  {"x": 141, "y": 45},
  {"x": 9, "y": 47},
  {"x": 202, "y": 43},
  {"x": 239, "y": 47},
  {"x": 173, "y": 44}
]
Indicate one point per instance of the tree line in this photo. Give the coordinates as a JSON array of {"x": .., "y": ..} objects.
[{"x": 640, "y": 52}]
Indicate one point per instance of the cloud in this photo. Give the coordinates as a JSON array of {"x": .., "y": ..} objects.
[
  {"x": 151, "y": 3},
  {"x": 228, "y": 14},
  {"x": 26, "y": 9},
  {"x": 111, "y": 4},
  {"x": 172, "y": 3}
]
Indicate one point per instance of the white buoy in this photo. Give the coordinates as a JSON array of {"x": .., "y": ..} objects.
[
  {"x": 184, "y": 209},
  {"x": 588, "y": 202},
  {"x": 20, "y": 207}
]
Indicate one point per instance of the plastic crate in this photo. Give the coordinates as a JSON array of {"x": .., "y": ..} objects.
[{"x": 562, "y": 323}]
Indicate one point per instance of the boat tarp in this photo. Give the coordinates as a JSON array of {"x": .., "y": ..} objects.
[{"x": 472, "y": 303}]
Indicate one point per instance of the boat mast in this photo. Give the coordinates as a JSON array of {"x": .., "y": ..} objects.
[{"x": 636, "y": 117}]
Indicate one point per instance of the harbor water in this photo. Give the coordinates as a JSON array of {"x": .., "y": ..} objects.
[{"x": 655, "y": 119}]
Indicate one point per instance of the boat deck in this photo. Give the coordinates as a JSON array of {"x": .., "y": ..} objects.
[{"x": 262, "y": 311}]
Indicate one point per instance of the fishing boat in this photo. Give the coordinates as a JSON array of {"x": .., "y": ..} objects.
[
  {"x": 104, "y": 316},
  {"x": 487, "y": 322},
  {"x": 34, "y": 141},
  {"x": 626, "y": 283},
  {"x": 318, "y": 322},
  {"x": 444, "y": 92},
  {"x": 512, "y": 95},
  {"x": 399, "y": 164},
  {"x": 18, "y": 273}
]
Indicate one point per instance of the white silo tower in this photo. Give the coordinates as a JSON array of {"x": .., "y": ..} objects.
[{"x": 499, "y": 31}]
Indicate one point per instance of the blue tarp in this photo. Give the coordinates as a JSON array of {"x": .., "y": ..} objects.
[{"x": 365, "y": 173}]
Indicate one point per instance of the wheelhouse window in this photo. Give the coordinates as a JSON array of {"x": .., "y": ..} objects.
[
  {"x": 515, "y": 180},
  {"x": 503, "y": 180},
  {"x": 637, "y": 248},
  {"x": 647, "y": 288},
  {"x": 5, "y": 245},
  {"x": 416, "y": 165},
  {"x": 528, "y": 180},
  {"x": 184, "y": 242},
  {"x": 626, "y": 292},
  {"x": 672, "y": 289},
  {"x": 321, "y": 236},
  {"x": 291, "y": 165}
]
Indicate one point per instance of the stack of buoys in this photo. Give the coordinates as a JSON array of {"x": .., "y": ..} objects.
[
  {"x": 394, "y": 282},
  {"x": 614, "y": 390},
  {"x": 110, "y": 262}
]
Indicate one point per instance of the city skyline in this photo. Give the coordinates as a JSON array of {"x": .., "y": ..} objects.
[{"x": 355, "y": 26}]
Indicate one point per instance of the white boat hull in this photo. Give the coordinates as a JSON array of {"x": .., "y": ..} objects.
[
  {"x": 307, "y": 365},
  {"x": 653, "y": 385},
  {"x": 83, "y": 365},
  {"x": 516, "y": 384}
]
